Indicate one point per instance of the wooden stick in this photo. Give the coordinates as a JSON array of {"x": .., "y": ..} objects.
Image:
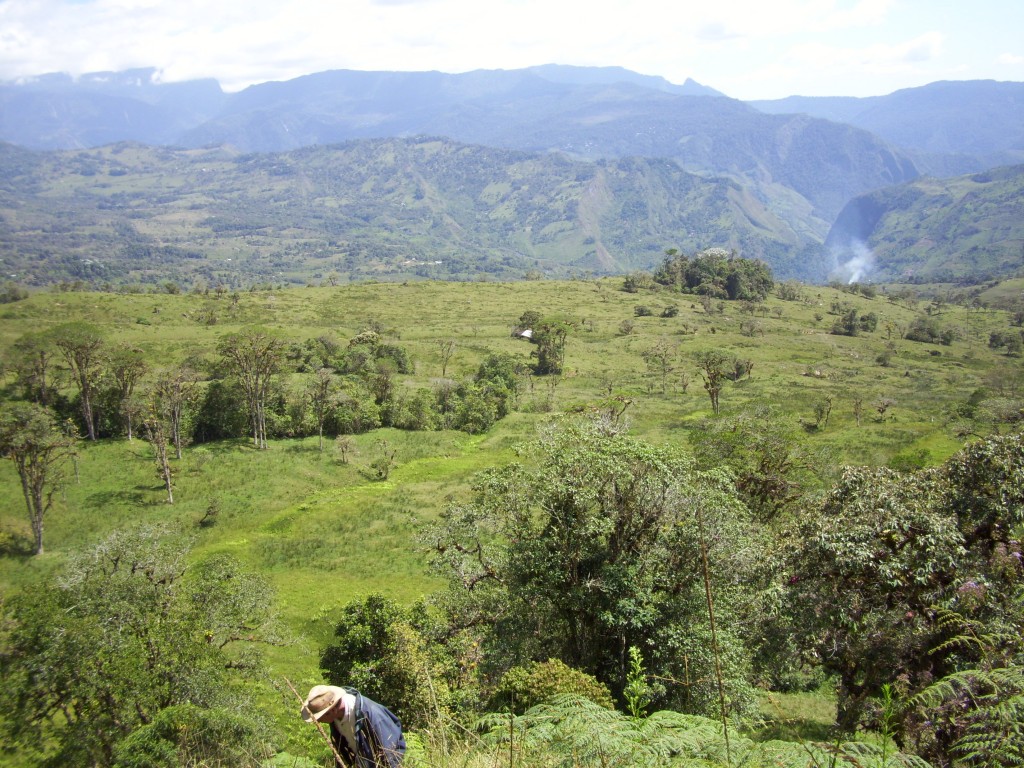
[{"x": 319, "y": 727}]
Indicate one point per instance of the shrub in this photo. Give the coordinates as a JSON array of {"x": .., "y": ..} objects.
[{"x": 537, "y": 682}]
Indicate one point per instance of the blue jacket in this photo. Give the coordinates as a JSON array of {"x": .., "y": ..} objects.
[{"x": 379, "y": 739}]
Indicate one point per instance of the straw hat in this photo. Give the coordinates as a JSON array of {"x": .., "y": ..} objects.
[{"x": 321, "y": 698}]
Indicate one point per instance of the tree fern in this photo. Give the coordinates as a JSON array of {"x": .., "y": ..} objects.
[
  {"x": 982, "y": 707},
  {"x": 572, "y": 732}
]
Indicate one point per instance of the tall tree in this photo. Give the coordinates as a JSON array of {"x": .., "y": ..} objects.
[
  {"x": 175, "y": 392},
  {"x": 81, "y": 344},
  {"x": 127, "y": 366},
  {"x": 254, "y": 355},
  {"x": 772, "y": 466},
  {"x": 446, "y": 348},
  {"x": 156, "y": 429},
  {"x": 659, "y": 358},
  {"x": 887, "y": 555},
  {"x": 596, "y": 545},
  {"x": 32, "y": 439},
  {"x": 714, "y": 367},
  {"x": 321, "y": 392},
  {"x": 549, "y": 338},
  {"x": 33, "y": 366}
]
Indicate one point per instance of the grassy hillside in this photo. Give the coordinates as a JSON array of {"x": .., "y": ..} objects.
[{"x": 324, "y": 533}]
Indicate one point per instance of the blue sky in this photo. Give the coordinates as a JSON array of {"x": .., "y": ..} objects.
[{"x": 748, "y": 49}]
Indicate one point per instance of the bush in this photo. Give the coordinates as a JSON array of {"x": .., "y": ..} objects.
[
  {"x": 525, "y": 687},
  {"x": 188, "y": 735},
  {"x": 379, "y": 651}
]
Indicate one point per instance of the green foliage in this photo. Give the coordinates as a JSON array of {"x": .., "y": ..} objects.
[
  {"x": 975, "y": 714},
  {"x": 927, "y": 329},
  {"x": 187, "y": 736},
  {"x": 594, "y": 546},
  {"x": 571, "y": 731},
  {"x": 126, "y": 631},
  {"x": 637, "y": 692},
  {"x": 550, "y": 335},
  {"x": 717, "y": 273},
  {"x": 378, "y": 649},
  {"x": 886, "y": 550},
  {"x": 12, "y": 292},
  {"x": 524, "y": 687},
  {"x": 40, "y": 450},
  {"x": 772, "y": 465}
]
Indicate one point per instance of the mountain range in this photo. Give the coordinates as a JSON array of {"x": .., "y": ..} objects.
[{"x": 794, "y": 162}]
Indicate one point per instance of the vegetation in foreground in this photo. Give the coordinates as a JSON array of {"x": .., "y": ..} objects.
[{"x": 676, "y": 568}]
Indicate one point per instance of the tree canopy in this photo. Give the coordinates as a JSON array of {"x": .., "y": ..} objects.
[{"x": 600, "y": 542}]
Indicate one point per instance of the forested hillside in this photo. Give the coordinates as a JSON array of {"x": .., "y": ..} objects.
[
  {"x": 937, "y": 230},
  {"x": 695, "y": 515},
  {"x": 393, "y": 209}
]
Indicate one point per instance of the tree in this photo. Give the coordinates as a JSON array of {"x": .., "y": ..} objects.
[
  {"x": 596, "y": 546},
  {"x": 863, "y": 581},
  {"x": 714, "y": 368},
  {"x": 82, "y": 347},
  {"x": 379, "y": 649},
  {"x": 128, "y": 630},
  {"x": 446, "y": 348},
  {"x": 175, "y": 392},
  {"x": 33, "y": 366},
  {"x": 549, "y": 338},
  {"x": 884, "y": 562},
  {"x": 254, "y": 355},
  {"x": 321, "y": 392},
  {"x": 127, "y": 366},
  {"x": 659, "y": 358},
  {"x": 155, "y": 426},
  {"x": 32, "y": 439},
  {"x": 772, "y": 467}
]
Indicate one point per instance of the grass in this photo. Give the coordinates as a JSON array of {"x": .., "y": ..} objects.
[
  {"x": 805, "y": 716},
  {"x": 324, "y": 533}
]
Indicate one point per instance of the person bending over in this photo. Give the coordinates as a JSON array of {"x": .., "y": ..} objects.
[{"x": 366, "y": 734}]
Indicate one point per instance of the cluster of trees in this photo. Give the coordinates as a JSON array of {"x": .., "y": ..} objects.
[
  {"x": 350, "y": 386},
  {"x": 344, "y": 388},
  {"x": 717, "y": 273},
  {"x": 605, "y": 555},
  {"x": 131, "y": 657}
]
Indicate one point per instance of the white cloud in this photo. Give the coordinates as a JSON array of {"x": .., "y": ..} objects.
[
  {"x": 873, "y": 58},
  {"x": 733, "y": 45},
  {"x": 1011, "y": 58}
]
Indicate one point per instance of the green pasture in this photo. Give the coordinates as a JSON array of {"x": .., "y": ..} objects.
[{"x": 325, "y": 533}]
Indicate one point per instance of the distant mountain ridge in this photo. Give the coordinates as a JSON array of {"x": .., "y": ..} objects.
[{"x": 948, "y": 125}]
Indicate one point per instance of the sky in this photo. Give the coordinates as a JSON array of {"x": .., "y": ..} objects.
[{"x": 748, "y": 49}]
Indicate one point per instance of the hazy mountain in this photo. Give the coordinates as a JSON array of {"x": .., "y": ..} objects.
[
  {"x": 936, "y": 229},
  {"x": 804, "y": 169},
  {"x": 389, "y": 208},
  {"x": 949, "y": 126},
  {"x": 791, "y": 165},
  {"x": 59, "y": 112}
]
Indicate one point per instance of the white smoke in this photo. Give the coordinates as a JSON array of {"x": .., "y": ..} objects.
[{"x": 859, "y": 263}]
